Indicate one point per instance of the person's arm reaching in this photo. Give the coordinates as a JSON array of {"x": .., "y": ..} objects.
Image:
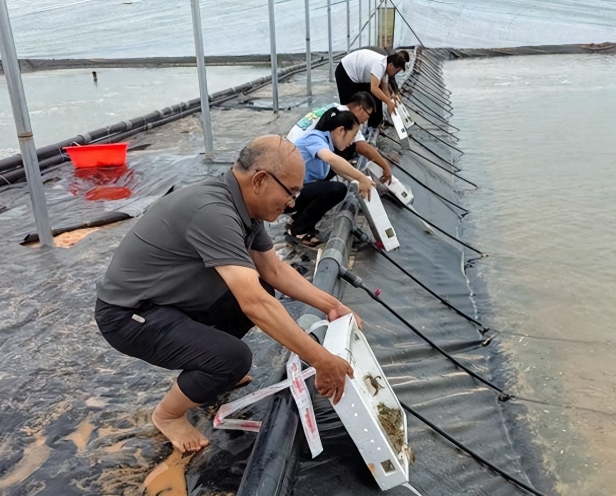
[
  {"x": 371, "y": 153},
  {"x": 271, "y": 317},
  {"x": 289, "y": 282},
  {"x": 346, "y": 170},
  {"x": 375, "y": 89}
]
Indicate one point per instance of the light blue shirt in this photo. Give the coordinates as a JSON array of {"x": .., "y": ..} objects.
[{"x": 309, "y": 145}]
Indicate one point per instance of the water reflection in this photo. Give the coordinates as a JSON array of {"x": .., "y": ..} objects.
[{"x": 102, "y": 183}]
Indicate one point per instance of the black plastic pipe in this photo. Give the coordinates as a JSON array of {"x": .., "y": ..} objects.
[{"x": 271, "y": 461}]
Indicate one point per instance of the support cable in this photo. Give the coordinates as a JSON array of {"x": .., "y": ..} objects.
[
  {"x": 471, "y": 453},
  {"x": 441, "y": 197},
  {"x": 414, "y": 152},
  {"x": 431, "y": 161},
  {"x": 363, "y": 237},
  {"x": 409, "y": 26},
  {"x": 411, "y": 98},
  {"x": 450, "y": 236},
  {"x": 438, "y": 99},
  {"x": 439, "y": 139},
  {"x": 357, "y": 282}
]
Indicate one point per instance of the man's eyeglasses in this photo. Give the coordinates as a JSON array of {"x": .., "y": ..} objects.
[{"x": 289, "y": 192}]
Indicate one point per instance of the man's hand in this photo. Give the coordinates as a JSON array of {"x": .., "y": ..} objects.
[
  {"x": 341, "y": 310},
  {"x": 386, "y": 177},
  {"x": 331, "y": 375}
]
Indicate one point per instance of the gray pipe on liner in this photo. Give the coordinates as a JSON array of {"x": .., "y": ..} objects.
[{"x": 272, "y": 464}]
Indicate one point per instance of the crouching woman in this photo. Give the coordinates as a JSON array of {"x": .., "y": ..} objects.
[{"x": 335, "y": 130}]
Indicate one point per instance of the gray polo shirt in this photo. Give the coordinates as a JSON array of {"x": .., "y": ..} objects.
[{"x": 169, "y": 255}]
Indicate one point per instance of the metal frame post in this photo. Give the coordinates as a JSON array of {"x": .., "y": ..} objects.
[
  {"x": 348, "y": 9},
  {"x": 24, "y": 127},
  {"x": 329, "y": 35},
  {"x": 375, "y": 24},
  {"x": 308, "y": 52},
  {"x": 274, "y": 56},
  {"x": 206, "y": 118},
  {"x": 369, "y": 22},
  {"x": 361, "y": 30}
]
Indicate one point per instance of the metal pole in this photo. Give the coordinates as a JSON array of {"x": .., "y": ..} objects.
[
  {"x": 387, "y": 26},
  {"x": 274, "y": 56},
  {"x": 369, "y": 22},
  {"x": 375, "y": 24},
  {"x": 348, "y": 5},
  {"x": 329, "y": 34},
  {"x": 308, "y": 52},
  {"x": 23, "y": 127},
  {"x": 360, "y": 27},
  {"x": 206, "y": 118}
]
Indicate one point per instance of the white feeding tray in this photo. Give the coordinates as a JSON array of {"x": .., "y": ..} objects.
[
  {"x": 369, "y": 408},
  {"x": 396, "y": 188},
  {"x": 379, "y": 222},
  {"x": 406, "y": 118},
  {"x": 396, "y": 120}
]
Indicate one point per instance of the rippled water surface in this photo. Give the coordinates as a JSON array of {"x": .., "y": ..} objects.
[{"x": 538, "y": 133}]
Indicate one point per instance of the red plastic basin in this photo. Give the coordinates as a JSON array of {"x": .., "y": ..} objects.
[{"x": 105, "y": 155}]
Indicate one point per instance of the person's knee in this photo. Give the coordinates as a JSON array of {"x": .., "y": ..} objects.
[
  {"x": 238, "y": 360},
  {"x": 339, "y": 191}
]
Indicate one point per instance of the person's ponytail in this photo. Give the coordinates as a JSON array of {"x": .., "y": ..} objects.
[{"x": 334, "y": 118}]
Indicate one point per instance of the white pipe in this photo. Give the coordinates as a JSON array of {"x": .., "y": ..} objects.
[
  {"x": 206, "y": 118},
  {"x": 29, "y": 158}
]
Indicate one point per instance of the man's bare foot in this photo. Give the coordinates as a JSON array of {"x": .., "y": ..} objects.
[
  {"x": 247, "y": 379},
  {"x": 179, "y": 431}
]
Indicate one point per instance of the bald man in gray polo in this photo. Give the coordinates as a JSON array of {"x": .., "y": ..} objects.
[{"x": 198, "y": 271}]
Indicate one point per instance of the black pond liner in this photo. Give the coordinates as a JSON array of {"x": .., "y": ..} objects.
[
  {"x": 466, "y": 409},
  {"x": 57, "y": 371}
]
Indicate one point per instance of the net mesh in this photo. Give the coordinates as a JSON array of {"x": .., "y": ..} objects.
[{"x": 142, "y": 28}]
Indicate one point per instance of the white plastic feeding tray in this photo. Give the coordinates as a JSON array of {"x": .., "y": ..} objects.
[
  {"x": 406, "y": 118},
  {"x": 396, "y": 188},
  {"x": 379, "y": 222},
  {"x": 396, "y": 120},
  {"x": 369, "y": 408}
]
